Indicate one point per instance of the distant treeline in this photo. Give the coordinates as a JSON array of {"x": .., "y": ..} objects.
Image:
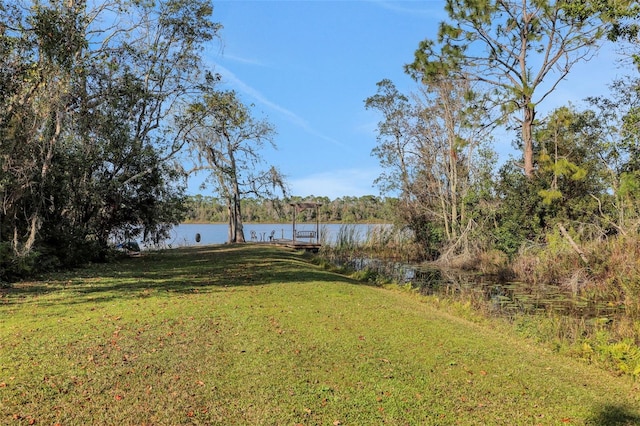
[{"x": 368, "y": 208}]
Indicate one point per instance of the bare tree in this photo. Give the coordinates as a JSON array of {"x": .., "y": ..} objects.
[
  {"x": 226, "y": 141},
  {"x": 428, "y": 145}
]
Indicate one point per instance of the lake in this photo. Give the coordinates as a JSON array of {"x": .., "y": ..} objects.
[{"x": 185, "y": 234}]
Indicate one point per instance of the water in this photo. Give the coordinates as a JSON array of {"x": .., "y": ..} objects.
[
  {"x": 502, "y": 298},
  {"x": 185, "y": 234}
]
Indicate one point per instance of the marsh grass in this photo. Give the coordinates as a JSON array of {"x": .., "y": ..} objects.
[
  {"x": 253, "y": 334},
  {"x": 381, "y": 242},
  {"x": 611, "y": 278}
]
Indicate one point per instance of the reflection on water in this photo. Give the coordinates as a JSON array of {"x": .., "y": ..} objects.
[{"x": 500, "y": 298}]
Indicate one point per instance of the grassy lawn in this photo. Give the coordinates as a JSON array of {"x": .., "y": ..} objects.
[{"x": 256, "y": 335}]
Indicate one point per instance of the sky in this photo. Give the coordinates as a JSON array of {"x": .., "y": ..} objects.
[{"x": 308, "y": 66}]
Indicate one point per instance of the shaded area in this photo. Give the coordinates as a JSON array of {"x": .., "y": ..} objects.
[
  {"x": 613, "y": 415},
  {"x": 183, "y": 270}
]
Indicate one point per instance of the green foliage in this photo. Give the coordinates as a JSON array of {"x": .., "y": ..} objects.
[
  {"x": 629, "y": 184},
  {"x": 550, "y": 195},
  {"x": 88, "y": 129},
  {"x": 365, "y": 275},
  {"x": 59, "y": 34},
  {"x": 625, "y": 355},
  {"x": 12, "y": 267},
  {"x": 521, "y": 216},
  {"x": 568, "y": 187}
]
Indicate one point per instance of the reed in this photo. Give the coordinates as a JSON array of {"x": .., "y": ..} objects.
[{"x": 380, "y": 241}]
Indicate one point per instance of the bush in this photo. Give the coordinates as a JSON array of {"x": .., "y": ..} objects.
[
  {"x": 12, "y": 267},
  {"x": 617, "y": 268}
]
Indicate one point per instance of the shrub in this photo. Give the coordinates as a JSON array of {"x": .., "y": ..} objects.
[{"x": 14, "y": 267}]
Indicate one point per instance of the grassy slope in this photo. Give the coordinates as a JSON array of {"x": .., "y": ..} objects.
[{"x": 259, "y": 335}]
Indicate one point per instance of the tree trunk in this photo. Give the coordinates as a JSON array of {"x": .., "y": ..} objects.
[
  {"x": 573, "y": 244},
  {"x": 238, "y": 228},
  {"x": 527, "y": 137},
  {"x": 232, "y": 229}
]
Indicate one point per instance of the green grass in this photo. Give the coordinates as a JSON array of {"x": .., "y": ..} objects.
[{"x": 256, "y": 335}]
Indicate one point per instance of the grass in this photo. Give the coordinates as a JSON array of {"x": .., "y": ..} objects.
[{"x": 253, "y": 334}]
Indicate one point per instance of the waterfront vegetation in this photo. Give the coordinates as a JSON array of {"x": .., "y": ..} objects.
[
  {"x": 256, "y": 334},
  {"x": 548, "y": 295}
]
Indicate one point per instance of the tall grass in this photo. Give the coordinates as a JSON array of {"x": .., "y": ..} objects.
[
  {"x": 609, "y": 283},
  {"x": 611, "y": 276},
  {"x": 612, "y": 273},
  {"x": 380, "y": 241}
]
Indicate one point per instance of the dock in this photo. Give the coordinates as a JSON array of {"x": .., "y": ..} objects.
[{"x": 300, "y": 245}]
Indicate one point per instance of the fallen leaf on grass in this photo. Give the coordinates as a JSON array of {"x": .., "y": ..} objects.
[{"x": 118, "y": 397}]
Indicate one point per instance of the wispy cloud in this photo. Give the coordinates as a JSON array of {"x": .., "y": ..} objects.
[
  {"x": 243, "y": 60},
  {"x": 230, "y": 78},
  {"x": 431, "y": 8},
  {"x": 337, "y": 183}
]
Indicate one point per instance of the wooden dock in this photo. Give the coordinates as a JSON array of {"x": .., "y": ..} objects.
[{"x": 299, "y": 245}]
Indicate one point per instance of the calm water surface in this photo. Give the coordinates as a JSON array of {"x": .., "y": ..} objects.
[
  {"x": 502, "y": 298},
  {"x": 185, "y": 234}
]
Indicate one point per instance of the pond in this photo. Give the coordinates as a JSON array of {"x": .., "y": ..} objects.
[{"x": 499, "y": 297}]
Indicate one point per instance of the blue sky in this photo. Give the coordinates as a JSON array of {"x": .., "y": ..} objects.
[{"x": 308, "y": 66}]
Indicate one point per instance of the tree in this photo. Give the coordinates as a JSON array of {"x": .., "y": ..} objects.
[
  {"x": 86, "y": 105},
  {"x": 569, "y": 189},
  {"x": 38, "y": 53},
  {"x": 522, "y": 49},
  {"x": 615, "y": 125},
  {"x": 429, "y": 149},
  {"x": 398, "y": 142},
  {"x": 226, "y": 141},
  {"x": 570, "y": 169}
]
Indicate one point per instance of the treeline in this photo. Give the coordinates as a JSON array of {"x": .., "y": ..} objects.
[{"x": 365, "y": 209}]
